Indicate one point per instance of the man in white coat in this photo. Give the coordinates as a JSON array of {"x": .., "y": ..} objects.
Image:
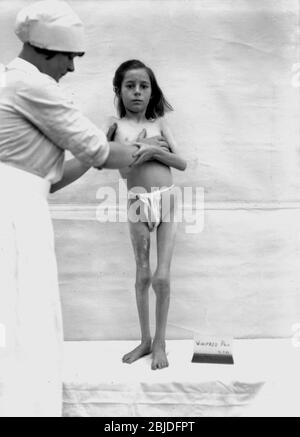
[{"x": 37, "y": 124}]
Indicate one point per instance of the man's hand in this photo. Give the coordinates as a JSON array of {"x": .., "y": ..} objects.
[{"x": 112, "y": 132}]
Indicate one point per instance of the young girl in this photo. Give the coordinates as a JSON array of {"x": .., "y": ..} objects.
[{"x": 141, "y": 107}]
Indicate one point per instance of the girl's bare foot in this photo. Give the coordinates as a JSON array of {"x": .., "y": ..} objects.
[
  {"x": 143, "y": 349},
  {"x": 159, "y": 355}
]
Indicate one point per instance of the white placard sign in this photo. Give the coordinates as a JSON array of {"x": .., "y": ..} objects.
[{"x": 213, "y": 350}]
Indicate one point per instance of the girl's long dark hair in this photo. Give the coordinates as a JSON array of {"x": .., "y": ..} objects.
[{"x": 158, "y": 105}]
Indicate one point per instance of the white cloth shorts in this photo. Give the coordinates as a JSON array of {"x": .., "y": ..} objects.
[{"x": 152, "y": 208}]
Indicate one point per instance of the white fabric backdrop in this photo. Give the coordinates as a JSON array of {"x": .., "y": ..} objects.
[{"x": 229, "y": 68}]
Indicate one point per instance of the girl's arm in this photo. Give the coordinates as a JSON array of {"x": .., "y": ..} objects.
[
  {"x": 168, "y": 135},
  {"x": 171, "y": 157},
  {"x": 166, "y": 132}
]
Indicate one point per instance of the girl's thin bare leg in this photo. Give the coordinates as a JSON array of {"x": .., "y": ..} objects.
[
  {"x": 140, "y": 238},
  {"x": 166, "y": 234}
]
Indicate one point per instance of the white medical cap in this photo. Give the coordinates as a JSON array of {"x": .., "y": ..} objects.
[{"x": 51, "y": 25}]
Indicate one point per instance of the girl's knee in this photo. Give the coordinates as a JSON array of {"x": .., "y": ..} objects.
[
  {"x": 143, "y": 281},
  {"x": 161, "y": 284}
]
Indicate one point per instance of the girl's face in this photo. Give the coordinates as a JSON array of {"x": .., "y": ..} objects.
[{"x": 136, "y": 91}]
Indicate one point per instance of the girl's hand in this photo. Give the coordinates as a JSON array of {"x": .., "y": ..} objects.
[
  {"x": 144, "y": 154},
  {"x": 158, "y": 140},
  {"x": 148, "y": 148}
]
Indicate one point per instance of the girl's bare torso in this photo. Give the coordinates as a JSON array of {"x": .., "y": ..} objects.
[{"x": 151, "y": 174}]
